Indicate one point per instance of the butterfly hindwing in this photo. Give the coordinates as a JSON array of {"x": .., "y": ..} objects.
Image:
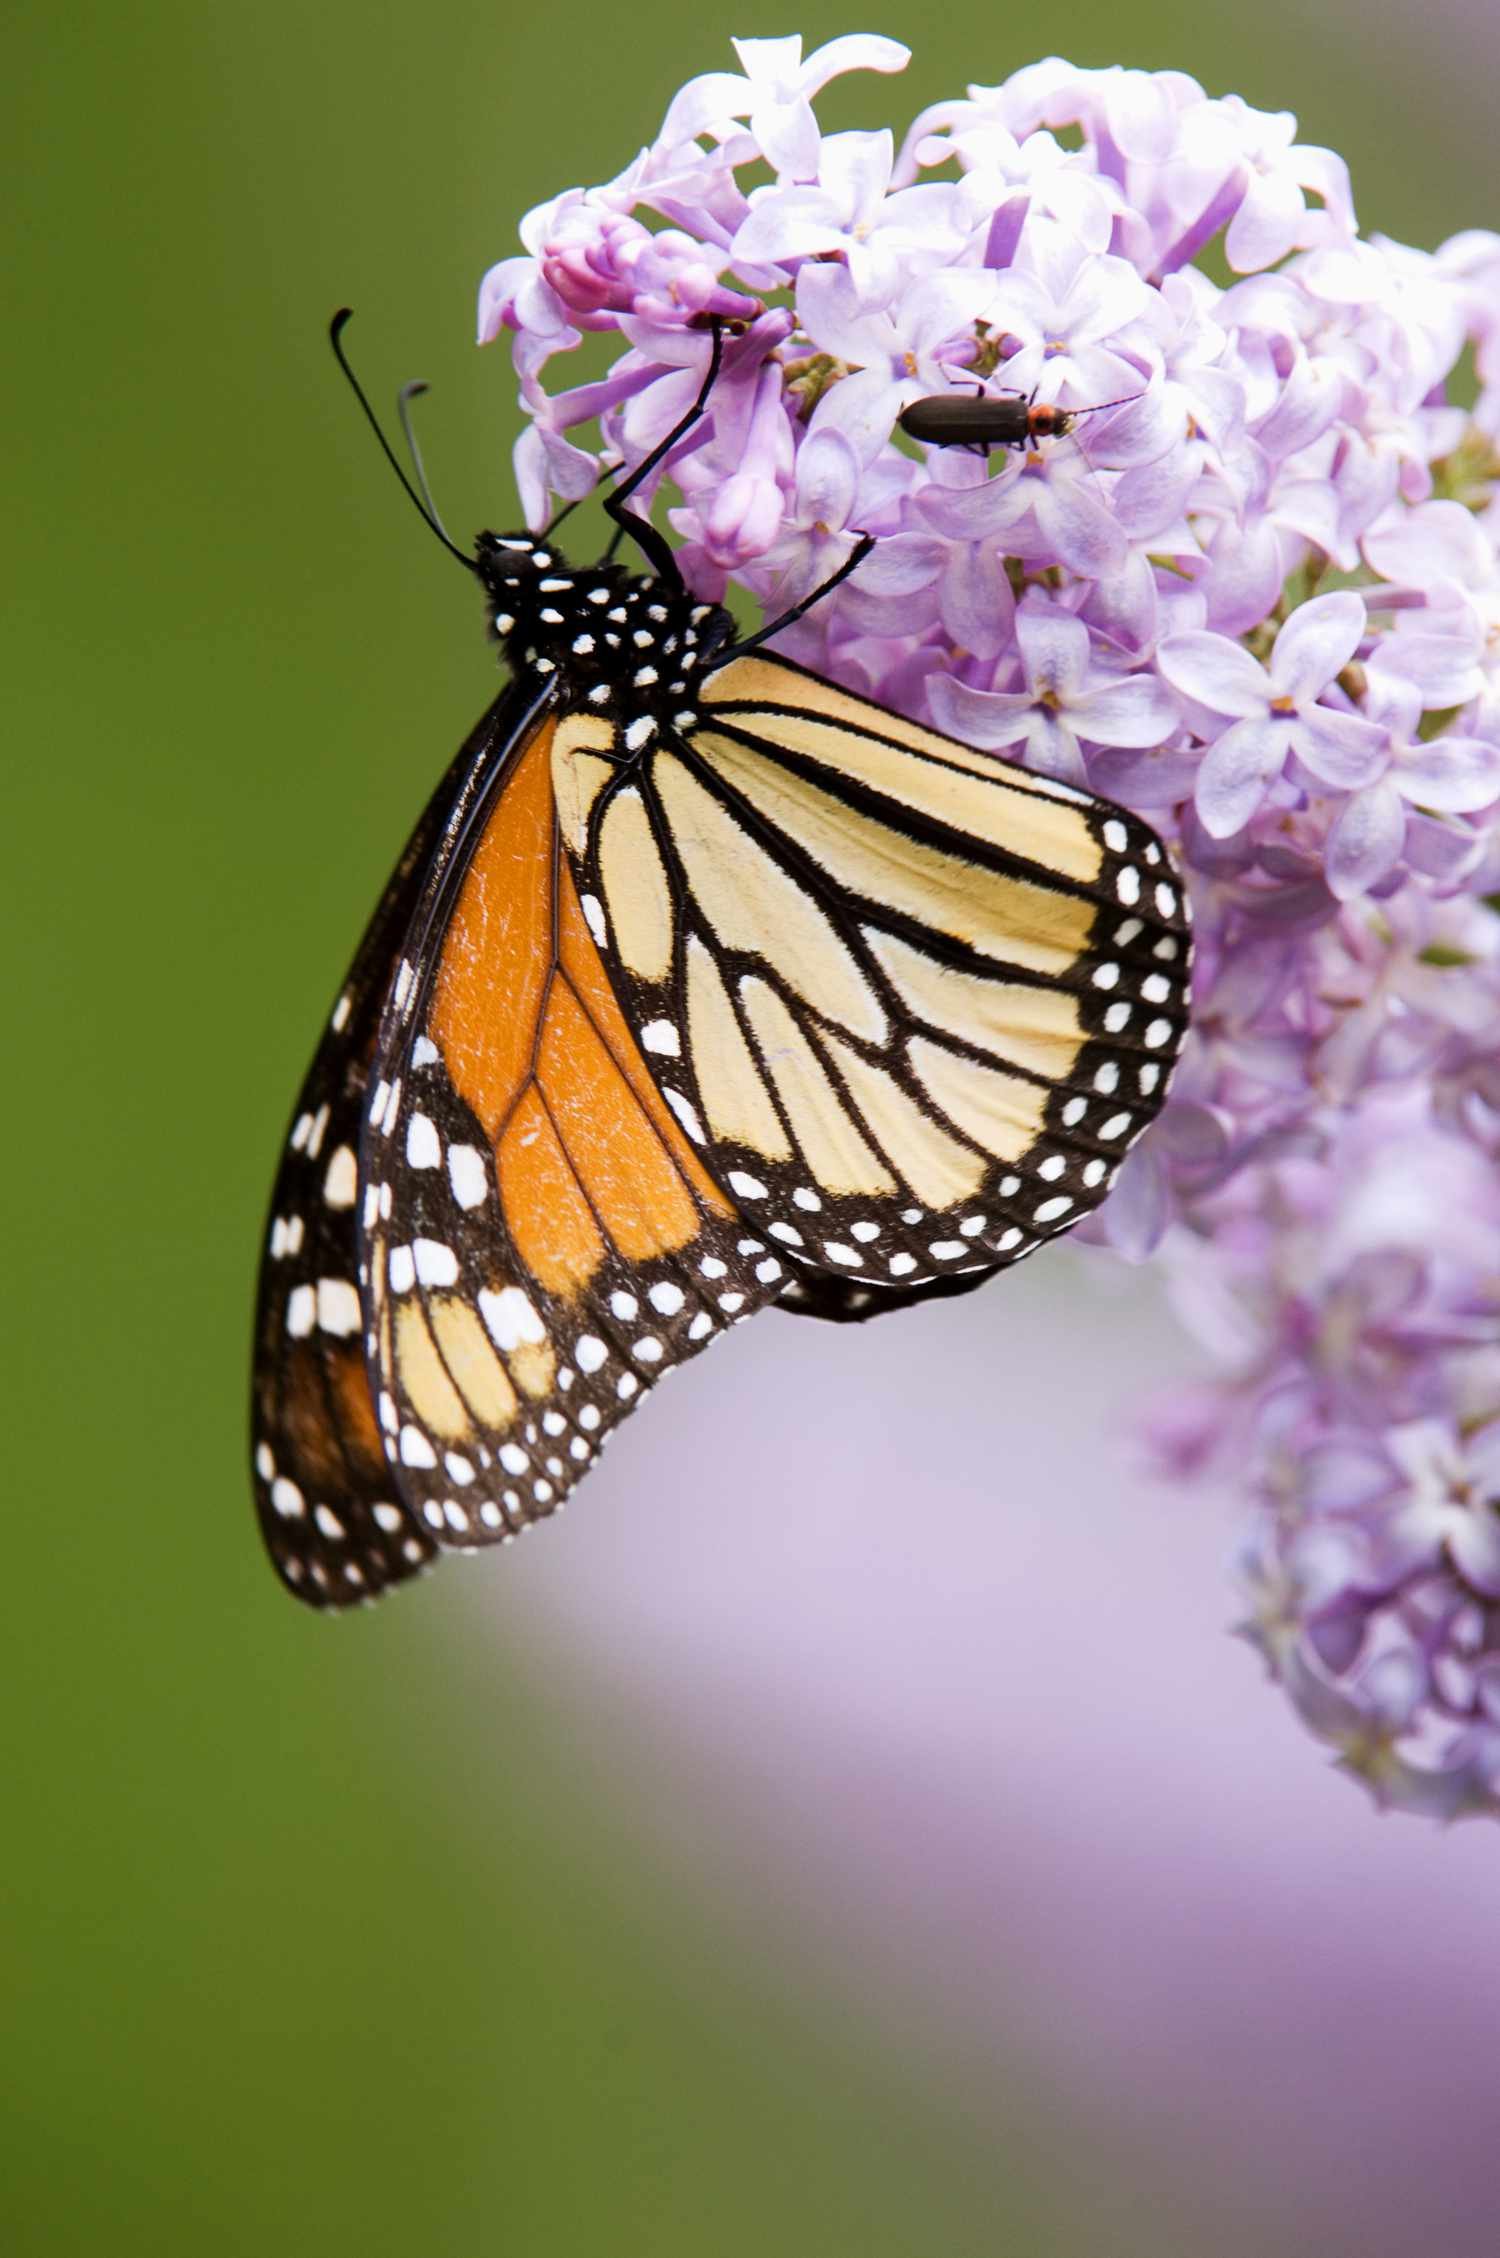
[
  {"x": 542, "y": 1242},
  {"x": 912, "y": 1003}
]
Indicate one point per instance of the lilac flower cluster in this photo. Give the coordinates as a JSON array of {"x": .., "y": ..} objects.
[{"x": 1258, "y": 601}]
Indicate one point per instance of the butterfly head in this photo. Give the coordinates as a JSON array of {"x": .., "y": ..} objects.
[
  {"x": 511, "y": 563},
  {"x": 534, "y": 598}
]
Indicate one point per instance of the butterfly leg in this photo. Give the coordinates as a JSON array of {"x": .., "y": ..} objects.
[
  {"x": 653, "y": 545},
  {"x": 851, "y": 563}
]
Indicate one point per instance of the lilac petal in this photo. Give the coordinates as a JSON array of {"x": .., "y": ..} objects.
[
  {"x": 1053, "y": 750},
  {"x": 1441, "y": 849},
  {"x": 1138, "y": 711},
  {"x": 788, "y": 136},
  {"x": 1142, "y": 115},
  {"x": 1310, "y": 507},
  {"x": 863, "y": 408},
  {"x": 1452, "y": 774},
  {"x": 1345, "y": 1475},
  {"x": 1327, "y": 176},
  {"x": 1366, "y": 840},
  {"x": 827, "y": 478},
  {"x": 979, "y": 511},
  {"x": 1108, "y": 294},
  {"x": 773, "y": 65},
  {"x": 1438, "y": 541},
  {"x": 1393, "y": 1685},
  {"x": 788, "y": 223},
  {"x": 1122, "y": 608},
  {"x": 1077, "y": 527},
  {"x": 530, "y": 467},
  {"x": 851, "y": 51},
  {"x": 1206, "y": 222},
  {"x": 1317, "y": 642},
  {"x": 874, "y": 267},
  {"x": 1342, "y": 749},
  {"x": 1235, "y": 772},
  {"x": 1267, "y": 224},
  {"x": 1055, "y": 259},
  {"x": 1054, "y": 650},
  {"x": 704, "y": 102},
  {"x": 1093, "y": 373},
  {"x": 837, "y": 321},
  {"x": 902, "y": 563},
  {"x": 1337, "y": 1636},
  {"x": 1445, "y": 668},
  {"x": 977, "y": 607},
  {"x": 742, "y": 520},
  {"x": 1475, "y": 1546},
  {"x": 1150, "y": 498},
  {"x": 1392, "y": 701},
  {"x": 496, "y": 293},
  {"x": 1156, "y": 776},
  {"x": 944, "y": 307},
  {"x": 1215, "y": 673},
  {"x": 1140, "y": 1207},
  {"x": 1019, "y": 304},
  {"x": 854, "y": 169},
  {"x": 1310, "y": 400},
  {"x": 1244, "y": 579},
  {"x": 1147, "y": 428},
  {"x": 986, "y": 719}
]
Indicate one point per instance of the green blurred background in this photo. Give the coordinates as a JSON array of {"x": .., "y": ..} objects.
[{"x": 326, "y": 1938}]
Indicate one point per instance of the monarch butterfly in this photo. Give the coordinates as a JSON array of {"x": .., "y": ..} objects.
[
  {"x": 978, "y": 420},
  {"x": 700, "y": 985}
]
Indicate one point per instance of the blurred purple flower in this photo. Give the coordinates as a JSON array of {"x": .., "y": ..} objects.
[{"x": 1259, "y": 600}]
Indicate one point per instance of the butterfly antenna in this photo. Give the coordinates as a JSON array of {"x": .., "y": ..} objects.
[
  {"x": 425, "y": 512},
  {"x": 404, "y": 398}
]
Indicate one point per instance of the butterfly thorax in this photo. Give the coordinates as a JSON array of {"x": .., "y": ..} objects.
[{"x": 621, "y": 645}]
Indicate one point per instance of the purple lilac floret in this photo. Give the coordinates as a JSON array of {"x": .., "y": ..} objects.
[{"x": 1260, "y": 602}]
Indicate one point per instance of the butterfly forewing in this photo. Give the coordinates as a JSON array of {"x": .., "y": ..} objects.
[
  {"x": 333, "y": 1518},
  {"x": 913, "y": 1004},
  {"x": 542, "y": 1241}
]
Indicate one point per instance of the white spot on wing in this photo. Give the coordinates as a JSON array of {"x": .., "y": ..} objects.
[
  {"x": 468, "y": 1175},
  {"x": 685, "y": 1114},
  {"x": 338, "y": 1307},
  {"x": 510, "y": 1319},
  {"x": 424, "y": 1147},
  {"x": 437, "y": 1265},
  {"x": 340, "y": 1178}
]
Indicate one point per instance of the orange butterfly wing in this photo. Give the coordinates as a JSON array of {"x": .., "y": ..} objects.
[{"x": 541, "y": 1241}]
